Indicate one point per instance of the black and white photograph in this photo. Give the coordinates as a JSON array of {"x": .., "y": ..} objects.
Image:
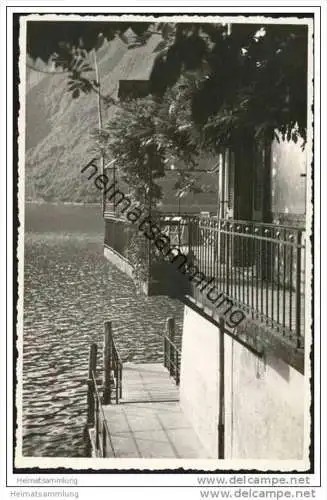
[{"x": 165, "y": 208}]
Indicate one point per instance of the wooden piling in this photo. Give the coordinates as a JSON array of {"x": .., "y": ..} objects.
[
  {"x": 90, "y": 384},
  {"x": 107, "y": 357}
]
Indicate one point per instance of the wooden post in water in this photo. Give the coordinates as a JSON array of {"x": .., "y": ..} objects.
[
  {"x": 90, "y": 384},
  {"x": 170, "y": 325},
  {"x": 107, "y": 357}
]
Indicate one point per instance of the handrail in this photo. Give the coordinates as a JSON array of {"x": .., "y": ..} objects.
[
  {"x": 117, "y": 355},
  {"x": 174, "y": 346},
  {"x": 95, "y": 407},
  {"x": 117, "y": 367},
  {"x": 265, "y": 224},
  {"x": 105, "y": 429},
  {"x": 172, "y": 355},
  {"x": 113, "y": 367}
]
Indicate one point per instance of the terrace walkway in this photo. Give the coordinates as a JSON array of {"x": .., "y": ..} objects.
[
  {"x": 258, "y": 266},
  {"x": 148, "y": 422}
]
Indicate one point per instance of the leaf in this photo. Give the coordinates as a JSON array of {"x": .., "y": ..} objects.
[
  {"x": 276, "y": 136},
  {"x": 73, "y": 84}
]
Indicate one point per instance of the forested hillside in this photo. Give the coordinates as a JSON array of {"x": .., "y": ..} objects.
[{"x": 59, "y": 129}]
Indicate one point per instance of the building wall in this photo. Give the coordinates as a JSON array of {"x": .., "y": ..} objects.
[
  {"x": 200, "y": 377},
  {"x": 264, "y": 404},
  {"x": 289, "y": 167}
]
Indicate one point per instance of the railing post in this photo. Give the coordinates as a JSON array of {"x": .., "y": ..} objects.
[
  {"x": 177, "y": 360},
  {"x": 298, "y": 288},
  {"x": 120, "y": 381},
  {"x": 191, "y": 242},
  {"x": 107, "y": 361},
  {"x": 104, "y": 439},
  {"x": 97, "y": 423},
  {"x": 164, "y": 350},
  {"x": 171, "y": 336},
  {"x": 228, "y": 262},
  {"x": 221, "y": 415},
  {"x": 117, "y": 381},
  {"x": 90, "y": 384}
]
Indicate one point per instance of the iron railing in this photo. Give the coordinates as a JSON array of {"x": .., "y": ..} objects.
[
  {"x": 259, "y": 266},
  {"x": 117, "y": 235},
  {"x": 124, "y": 238}
]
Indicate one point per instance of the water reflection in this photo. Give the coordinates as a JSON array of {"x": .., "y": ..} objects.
[{"x": 70, "y": 289}]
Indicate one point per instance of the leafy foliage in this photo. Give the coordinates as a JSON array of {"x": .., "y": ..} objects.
[
  {"x": 212, "y": 86},
  {"x": 251, "y": 76},
  {"x": 46, "y": 38},
  {"x": 139, "y": 251},
  {"x": 257, "y": 84},
  {"x": 66, "y": 46},
  {"x": 145, "y": 137}
]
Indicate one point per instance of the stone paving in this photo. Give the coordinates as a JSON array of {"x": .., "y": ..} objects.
[{"x": 149, "y": 421}]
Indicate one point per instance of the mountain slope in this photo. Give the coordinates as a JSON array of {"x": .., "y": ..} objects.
[
  {"x": 59, "y": 128},
  {"x": 58, "y": 133}
]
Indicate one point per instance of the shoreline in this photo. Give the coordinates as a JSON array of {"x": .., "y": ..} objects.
[{"x": 69, "y": 203}]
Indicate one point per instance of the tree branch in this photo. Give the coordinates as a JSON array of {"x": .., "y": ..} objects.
[{"x": 94, "y": 87}]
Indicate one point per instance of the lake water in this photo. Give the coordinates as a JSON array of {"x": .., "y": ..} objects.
[{"x": 70, "y": 290}]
